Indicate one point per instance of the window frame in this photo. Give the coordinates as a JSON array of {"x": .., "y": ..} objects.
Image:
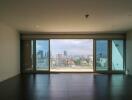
[{"x": 95, "y": 37}]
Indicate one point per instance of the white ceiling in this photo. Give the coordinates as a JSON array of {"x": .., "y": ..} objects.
[{"x": 113, "y": 16}]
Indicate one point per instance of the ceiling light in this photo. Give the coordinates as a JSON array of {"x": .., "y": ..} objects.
[{"x": 86, "y": 16}]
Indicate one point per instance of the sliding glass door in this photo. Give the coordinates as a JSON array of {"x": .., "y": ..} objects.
[
  {"x": 117, "y": 55},
  {"x": 42, "y": 55},
  {"x": 110, "y": 55},
  {"x": 73, "y": 55},
  {"x": 27, "y": 56},
  {"x": 101, "y": 55}
]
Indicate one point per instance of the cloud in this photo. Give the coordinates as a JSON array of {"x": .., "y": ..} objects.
[{"x": 72, "y": 46}]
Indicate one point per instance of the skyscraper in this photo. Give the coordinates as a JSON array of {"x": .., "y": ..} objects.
[{"x": 65, "y": 53}]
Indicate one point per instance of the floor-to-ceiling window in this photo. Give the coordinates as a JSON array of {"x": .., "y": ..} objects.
[
  {"x": 42, "y": 55},
  {"x": 117, "y": 55},
  {"x": 101, "y": 55},
  {"x": 71, "y": 55},
  {"x": 27, "y": 56}
]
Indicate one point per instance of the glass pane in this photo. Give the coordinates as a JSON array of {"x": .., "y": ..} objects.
[
  {"x": 101, "y": 55},
  {"x": 27, "y": 55},
  {"x": 71, "y": 55},
  {"x": 32, "y": 54},
  {"x": 117, "y": 54},
  {"x": 42, "y": 55}
]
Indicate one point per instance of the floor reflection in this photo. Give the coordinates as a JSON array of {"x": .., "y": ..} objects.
[{"x": 67, "y": 86}]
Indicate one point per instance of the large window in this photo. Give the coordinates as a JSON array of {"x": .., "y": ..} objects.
[
  {"x": 117, "y": 54},
  {"x": 27, "y": 56},
  {"x": 101, "y": 55},
  {"x": 42, "y": 55},
  {"x": 71, "y": 55}
]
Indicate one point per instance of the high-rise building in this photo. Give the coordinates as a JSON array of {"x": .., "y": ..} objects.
[{"x": 65, "y": 53}]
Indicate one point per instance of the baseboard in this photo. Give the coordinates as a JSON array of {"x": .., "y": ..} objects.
[{"x": 6, "y": 78}]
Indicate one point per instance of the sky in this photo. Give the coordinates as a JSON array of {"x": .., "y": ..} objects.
[
  {"x": 42, "y": 45},
  {"x": 72, "y": 46}
]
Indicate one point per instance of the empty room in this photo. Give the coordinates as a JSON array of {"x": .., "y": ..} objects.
[{"x": 65, "y": 50}]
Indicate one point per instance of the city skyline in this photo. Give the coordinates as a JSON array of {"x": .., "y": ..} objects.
[{"x": 72, "y": 46}]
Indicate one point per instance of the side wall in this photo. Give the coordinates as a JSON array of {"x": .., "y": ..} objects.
[
  {"x": 129, "y": 52},
  {"x": 9, "y": 52}
]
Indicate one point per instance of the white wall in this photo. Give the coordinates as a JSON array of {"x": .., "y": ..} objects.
[
  {"x": 9, "y": 52},
  {"x": 129, "y": 52}
]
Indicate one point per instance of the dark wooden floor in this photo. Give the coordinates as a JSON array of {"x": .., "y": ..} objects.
[{"x": 67, "y": 87}]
